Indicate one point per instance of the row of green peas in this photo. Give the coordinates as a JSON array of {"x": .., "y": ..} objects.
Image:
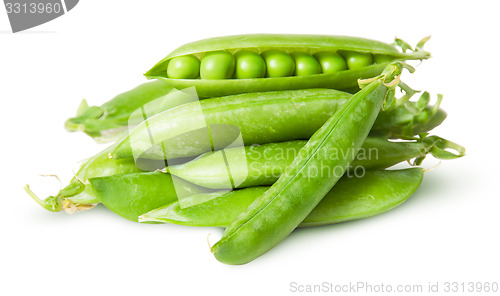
[{"x": 272, "y": 63}]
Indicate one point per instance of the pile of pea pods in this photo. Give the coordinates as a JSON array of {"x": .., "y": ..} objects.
[{"x": 260, "y": 134}]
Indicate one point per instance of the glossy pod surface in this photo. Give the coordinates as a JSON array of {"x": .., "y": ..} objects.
[
  {"x": 131, "y": 195},
  {"x": 281, "y": 73},
  {"x": 264, "y": 164},
  {"x": 261, "y": 118},
  {"x": 351, "y": 198},
  {"x": 276, "y": 213}
]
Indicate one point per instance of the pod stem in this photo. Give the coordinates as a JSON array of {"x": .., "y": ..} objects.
[
  {"x": 57, "y": 203},
  {"x": 51, "y": 203},
  {"x": 418, "y": 53},
  {"x": 439, "y": 148}
]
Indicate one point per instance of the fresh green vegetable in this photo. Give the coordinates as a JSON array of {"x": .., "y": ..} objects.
[
  {"x": 279, "y": 111},
  {"x": 351, "y": 198},
  {"x": 264, "y": 164}
]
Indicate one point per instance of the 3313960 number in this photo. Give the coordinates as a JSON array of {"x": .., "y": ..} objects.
[{"x": 33, "y": 8}]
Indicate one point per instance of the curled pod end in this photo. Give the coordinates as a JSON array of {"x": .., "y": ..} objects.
[
  {"x": 390, "y": 75},
  {"x": 415, "y": 54},
  {"x": 444, "y": 149},
  {"x": 57, "y": 203},
  {"x": 51, "y": 203}
]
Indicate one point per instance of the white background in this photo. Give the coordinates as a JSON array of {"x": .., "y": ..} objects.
[{"x": 448, "y": 231}]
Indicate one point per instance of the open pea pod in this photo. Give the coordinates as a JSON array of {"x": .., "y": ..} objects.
[
  {"x": 268, "y": 62},
  {"x": 352, "y": 198},
  {"x": 263, "y": 164}
]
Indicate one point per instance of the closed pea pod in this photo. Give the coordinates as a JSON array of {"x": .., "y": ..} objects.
[
  {"x": 286, "y": 44},
  {"x": 276, "y": 213},
  {"x": 260, "y": 117},
  {"x": 264, "y": 164},
  {"x": 352, "y": 198},
  {"x": 112, "y": 120}
]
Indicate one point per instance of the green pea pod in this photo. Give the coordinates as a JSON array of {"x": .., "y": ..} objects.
[
  {"x": 288, "y": 45},
  {"x": 261, "y": 118},
  {"x": 351, "y": 198},
  {"x": 304, "y": 183},
  {"x": 78, "y": 195},
  {"x": 131, "y": 195},
  {"x": 262, "y": 165},
  {"x": 109, "y": 122}
]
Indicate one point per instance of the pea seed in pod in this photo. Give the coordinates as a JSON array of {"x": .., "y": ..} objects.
[
  {"x": 305, "y": 64},
  {"x": 358, "y": 60},
  {"x": 185, "y": 67},
  {"x": 331, "y": 62},
  {"x": 249, "y": 65},
  {"x": 278, "y": 63},
  {"x": 217, "y": 65}
]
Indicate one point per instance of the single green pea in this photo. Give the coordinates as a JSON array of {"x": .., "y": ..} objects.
[
  {"x": 357, "y": 60},
  {"x": 382, "y": 58},
  {"x": 331, "y": 62},
  {"x": 249, "y": 65},
  {"x": 278, "y": 63},
  {"x": 217, "y": 65},
  {"x": 185, "y": 67},
  {"x": 305, "y": 64}
]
